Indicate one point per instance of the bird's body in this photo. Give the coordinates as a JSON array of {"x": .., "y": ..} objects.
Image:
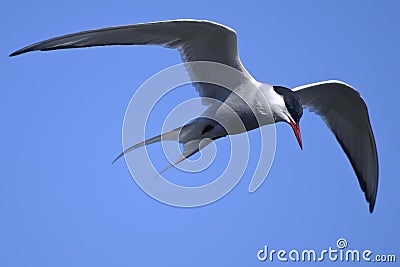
[
  {"x": 254, "y": 103},
  {"x": 249, "y": 102}
]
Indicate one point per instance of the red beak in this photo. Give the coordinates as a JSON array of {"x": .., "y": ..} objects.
[{"x": 296, "y": 130}]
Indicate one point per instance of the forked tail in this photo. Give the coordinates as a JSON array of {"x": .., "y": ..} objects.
[
  {"x": 194, "y": 137},
  {"x": 172, "y": 135}
]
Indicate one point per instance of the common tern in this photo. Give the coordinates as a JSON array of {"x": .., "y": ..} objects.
[{"x": 340, "y": 106}]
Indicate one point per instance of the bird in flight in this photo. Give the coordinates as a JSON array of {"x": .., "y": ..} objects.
[{"x": 255, "y": 103}]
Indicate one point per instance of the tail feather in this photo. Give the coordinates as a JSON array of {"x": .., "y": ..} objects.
[
  {"x": 189, "y": 148},
  {"x": 192, "y": 143},
  {"x": 172, "y": 135}
]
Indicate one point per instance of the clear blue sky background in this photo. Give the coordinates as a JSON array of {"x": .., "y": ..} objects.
[{"x": 62, "y": 203}]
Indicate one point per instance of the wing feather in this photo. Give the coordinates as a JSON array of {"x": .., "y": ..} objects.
[
  {"x": 196, "y": 40},
  {"x": 346, "y": 115}
]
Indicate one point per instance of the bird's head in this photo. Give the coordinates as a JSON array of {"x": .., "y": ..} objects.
[{"x": 290, "y": 110}]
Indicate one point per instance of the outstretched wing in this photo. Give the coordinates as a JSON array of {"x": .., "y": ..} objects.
[
  {"x": 195, "y": 40},
  {"x": 346, "y": 114}
]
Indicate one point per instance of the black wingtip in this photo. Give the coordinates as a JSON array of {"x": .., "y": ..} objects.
[
  {"x": 371, "y": 207},
  {"x": 22, "y": 51},
  {"x": 18, "y": 52},
  {"x": 371, "y": 200}
]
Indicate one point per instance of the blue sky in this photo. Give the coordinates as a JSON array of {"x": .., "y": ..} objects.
[{"x": 64, "y": 204}]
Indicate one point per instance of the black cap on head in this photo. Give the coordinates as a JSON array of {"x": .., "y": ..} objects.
[{"x": 292, "y": 102}]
